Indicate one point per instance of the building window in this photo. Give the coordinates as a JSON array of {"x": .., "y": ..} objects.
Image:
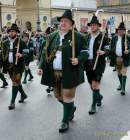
[
  {"x": 83, "y": 25},
  {"x": 44, "y": 18},
  {"x": 105, "y": 2},
  {"x": 9, "y": 17},
  {"x": 123, "y": 1}
]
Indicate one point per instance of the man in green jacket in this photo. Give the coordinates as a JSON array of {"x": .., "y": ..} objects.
[
  {"x": 13, "y": 63},
  {"x": 1, "y": 65},
  {"x": 29, "y": 54},
  {"x": 94, "y": 75},
  {"x": 60, "y": 70},
  {"x": 120, "y": 55}
]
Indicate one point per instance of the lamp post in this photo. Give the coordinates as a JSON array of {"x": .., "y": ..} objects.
[{"x": 38, "y": 28}]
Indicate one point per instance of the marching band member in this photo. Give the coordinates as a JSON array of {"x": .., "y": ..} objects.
[
  {"x": 60, "y": 70},
  {"x": 10, "y": 54},
  {"x": 94, "y": 76},
  {"x": 28, "y": 57},
  {"x": 120, "y": 55}
]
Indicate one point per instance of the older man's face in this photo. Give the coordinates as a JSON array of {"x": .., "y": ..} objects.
[{"x": 65, "y": 24}]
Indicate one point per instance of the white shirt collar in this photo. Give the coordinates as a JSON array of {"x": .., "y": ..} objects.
[
  {"x": 95, "y": 35},
  {"x": 12, "y": 40},
  {"x": 119, "y": 37},
  {"x": 62, "y": 34}
]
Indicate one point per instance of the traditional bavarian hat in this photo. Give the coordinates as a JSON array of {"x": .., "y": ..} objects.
[
  {"x": 121, "y": 26},
  {"x": 94, "y": 20},
  {"x": 67, "y": 14},
  {"x": 14, "y": 27}
]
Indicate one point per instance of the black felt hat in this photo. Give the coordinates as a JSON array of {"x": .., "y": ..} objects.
[
  {"x": 67, "y": 14},
  {"x": 94, "y": 20},
  {"x": 14, "y": 27},
  {"x": 121, "y": 26}
]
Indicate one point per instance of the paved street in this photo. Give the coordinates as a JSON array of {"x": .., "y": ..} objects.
[{"x": 39, "y": 117}]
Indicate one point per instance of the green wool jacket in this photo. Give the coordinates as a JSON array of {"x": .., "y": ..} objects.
[
  {"x": 126, "y": 57},
  {"x": 100, "y": 68},
  {"x": 71, "y": 75},
  {"x": 41, "y": 47},
  {"x": 5, "y": 55}
]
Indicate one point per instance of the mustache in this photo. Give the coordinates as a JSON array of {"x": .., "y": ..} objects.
[{"x": 12, "y": 37}]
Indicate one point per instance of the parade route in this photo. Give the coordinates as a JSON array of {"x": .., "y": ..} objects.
[{"x": 39, "y": 117}]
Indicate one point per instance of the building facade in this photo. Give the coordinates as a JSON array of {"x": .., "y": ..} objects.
[
  {"x": 48, "y": 10},
  {"x": 110, "y": 3},
  {"x": 7, "y": 12},
  {"x": 17, "y": 10},
  {"x": 119, "y": 8}
]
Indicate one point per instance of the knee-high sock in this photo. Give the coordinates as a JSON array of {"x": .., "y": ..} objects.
[
  {"x": 120, "y": 79},
  {"x": 25, "y": 74},
  {"x": 67, "y": 109},
  {"x": 96, "y": 96},
  {"x": 14, "y": 93},
  {"x": 98, "y": 92},
  {"x": 29, "y": 71},
  {"x": 21, "y": 91},
  {"x": 124, "y": 82}
]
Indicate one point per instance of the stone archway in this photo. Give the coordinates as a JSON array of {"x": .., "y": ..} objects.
[{"x": 26, "y": 11}]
